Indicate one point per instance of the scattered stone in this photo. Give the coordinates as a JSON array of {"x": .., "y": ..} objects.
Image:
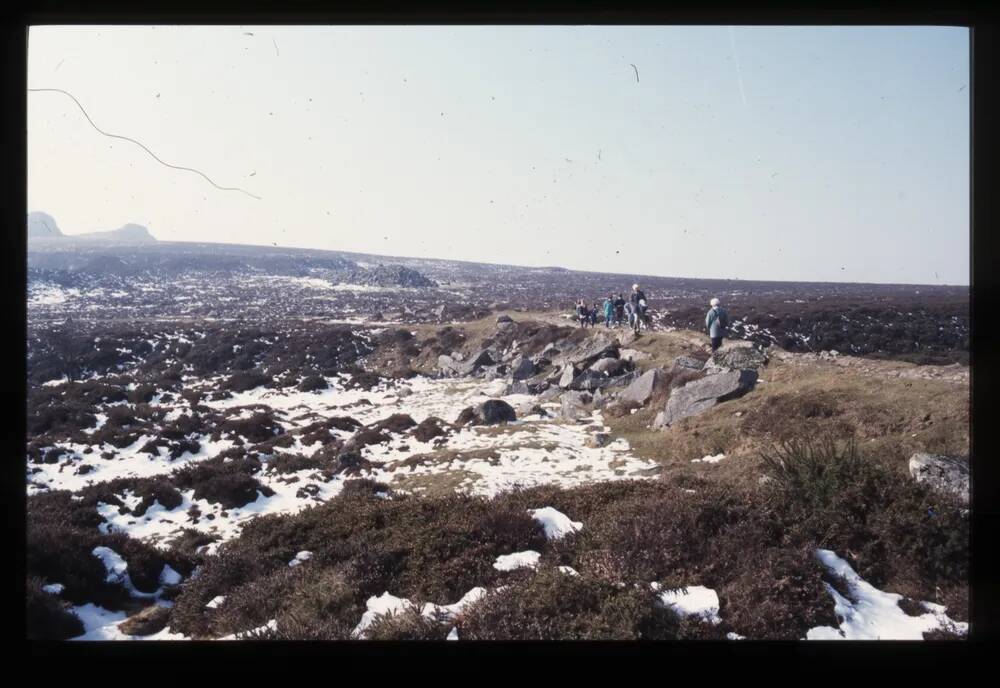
[
  {"x": 522, "y": 368},
  {"x": 589, "y": 380},
  {"x": 147, "y": 622},
  {"x": 949, "y": 474},
  {"x": 493, "y": 412},
  {"x": 689, "y": 362},
  {"x": 537, "y": 387},
  {"x": 736, "y": 358},
  {"x": 569, "y": 374},
  {"x": 642, "y": 389},
  {"x": 700, "y": 395},
  {"x": 609, "y": 366},
  {"x": 519, "y": 387},
  {"x": 505, "y": 319}
]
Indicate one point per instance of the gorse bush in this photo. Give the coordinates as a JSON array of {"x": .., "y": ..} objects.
[{"x": 814, "y": 472}]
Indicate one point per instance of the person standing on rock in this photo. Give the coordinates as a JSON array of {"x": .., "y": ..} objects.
[
  {"x": 581, "y": 312},
  {"x": 638, "y": 301},
  {"x": 620, "y": 309},
  {"x": 609, "y": 310},
  {"x": 716, "y": 323}
]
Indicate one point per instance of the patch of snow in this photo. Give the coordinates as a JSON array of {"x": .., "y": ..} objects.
[
  {"x": 709, "y": 459},
  {"x": 557, "y": 525},
  {"x": 377, "y": 606},
  {"x": 871, "y": 614},
  {"x": 215, "y": 602},
  {"x": 693, "y": 600},
  {"x": 569, "y": 571},
  {"x": 168, "y": 576},
  {"x": 300, "y": 558},
  {"x": 453, "y": 610},
  {"x": 453, "y": 635},
  {"x": 54, "y": 588},
  {"x": 517, "y": 560}
]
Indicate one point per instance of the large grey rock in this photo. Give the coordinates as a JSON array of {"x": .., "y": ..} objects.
[
  {"x": 569, "y": 374},
  {"x": 642, "y": 389},
  {"x": 574, "y": 405},
  {"x": 740, "y": 357},
  {"x": 550, "y": 394},
  {"x": 609, "y": 366},
  {"x": 949, "y": 474},
  {"x": 589, "y": 380},
  {"x": 600, "y": 399},
  {"x": 688, "y": 362},
  {"x": 584, "y": 355},
  {"x": 522, "y": 368},
  {"x": 518, "y": 387},
  {"x": 537, "y": 386},
  {"x": 623, "y": 380},
  {"x": 477, "y": 360},
  {"x": 700, "y": 395}
]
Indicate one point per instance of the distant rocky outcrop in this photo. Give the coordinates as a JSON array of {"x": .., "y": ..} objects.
[
  {"x": 389, "y": 276},
  {"x": 42, "y": 225}
]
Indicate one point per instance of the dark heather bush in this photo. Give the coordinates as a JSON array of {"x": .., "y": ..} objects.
[
  {"x": 46, "y": 617},
  {"x": 245, "y": 380},
  {"x": 321, "y": 607},
  {"x": 292, "y": 463},
  {"x": 396, "y": 423},
  {"x": 363, "y": 487},
  {"x": 257, "y": 428},
  {"x": 58, "y": 417},
  {"x": 551, "y": 605},
  {"x": 159, "y": 490},
  {"x": 142, "y": 394},
  {"x": 229, "y": 483},
  {"x": 429, "y": 428},
  {"x": 409, "y": 624},
  {"x": 313, "y": 383}
]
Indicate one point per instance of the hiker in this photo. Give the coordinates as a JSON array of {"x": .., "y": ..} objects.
[
  {"x": 620, "y": 309},
  {"x": 638, "y": 301},
  {"x": 609, "y": 310},
  {"x": 630, "y": 314},
  {"x": 581, "y": 312},
  {"x": 716, "y": 323},
  {"x": 594, "y": 311}
]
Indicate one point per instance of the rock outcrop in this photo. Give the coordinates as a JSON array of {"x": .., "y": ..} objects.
[
  {"x": 739, "y": 357},
  {"x": 642, "y": 390},
  {"x": 700, "y": 395},
  {"x": 948, "y": 474}
]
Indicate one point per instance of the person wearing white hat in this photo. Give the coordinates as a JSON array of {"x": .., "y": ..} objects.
[
  {"x": 638, "y": 301},
  {"x": 716, "y": 323}
]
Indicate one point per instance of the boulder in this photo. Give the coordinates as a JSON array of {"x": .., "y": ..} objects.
[
  {"x": 633, "y": 355},
  {"x": 623, "y": 380},
  {"x": 494, "y": 412},
  {"x": 447, "y": 365},
  {"x": 642, "y": 389},
  {"x": 589, "y": 380},
  {"x": 531, "y": 409},
  {"x": 147, "y": 622},
  {"x": 573, "y": 405},
  {"x": 600, "y": 399},
  {"x": 522, "y": 368},
  {"x": 479, "y": 359},
  {"x": 688, "y": 362},
  {"x": 404, "y": 391},
  {"x": 569, "y": 374},
  {"x": 597, "y": 347},
  {"x": 550, "y": 394},
  {"x": 609, "y": 366},
  {"x": 504, "y": 319},
  {"x": 741, "y": 357},
  {"x": 700, "y": 395},
  {"x": 518, "y": 387},
  {"x": 948, "y": 474}
]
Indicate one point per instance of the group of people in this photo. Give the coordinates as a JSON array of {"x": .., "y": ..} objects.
[
  {"x": 616, "y": 311},
  {"x": 634, "y": 311}
]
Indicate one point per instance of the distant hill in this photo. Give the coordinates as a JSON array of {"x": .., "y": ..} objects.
[{"x": 43, "y": 226}]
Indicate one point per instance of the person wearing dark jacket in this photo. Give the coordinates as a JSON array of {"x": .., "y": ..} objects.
[
  {"x": 620, "y": 309},
  {"x": 716, "y": 322},
  {"x": 638, "y": 301},
  {"x": 581, "y": 313}
]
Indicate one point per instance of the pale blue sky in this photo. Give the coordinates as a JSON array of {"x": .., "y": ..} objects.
[{"x": 807, "y": 153}]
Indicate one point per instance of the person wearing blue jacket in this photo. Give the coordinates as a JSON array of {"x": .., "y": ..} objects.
[
  {"x": 716, "y": 322},
  {"x": 609, "y": 310}
]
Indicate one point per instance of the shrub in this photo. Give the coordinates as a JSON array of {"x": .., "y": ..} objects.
[
  {"x": 313, "y": 383},
  {"x": 229, "y": 483},
  {"x": 551, "y": 605},
  {"x": 244, "y": 381},
  {"x": 46, "y": 617}
]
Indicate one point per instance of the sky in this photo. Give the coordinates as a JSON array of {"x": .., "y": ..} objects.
[{"x": 757, "y": 153}]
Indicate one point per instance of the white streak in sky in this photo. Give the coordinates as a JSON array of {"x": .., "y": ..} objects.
[{"x": 739, "y": 72}]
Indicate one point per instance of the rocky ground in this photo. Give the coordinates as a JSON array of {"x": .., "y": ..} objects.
[{"x": 507, "y": 477}]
